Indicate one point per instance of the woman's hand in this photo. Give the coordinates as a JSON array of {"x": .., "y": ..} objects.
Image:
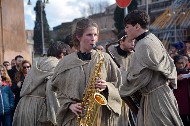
[
  {"x": 101, "y": 84},
  {"x": 76, "y": 108},
  {"x": 19, "y": 84},
  {"x": 179, "y": 77}
]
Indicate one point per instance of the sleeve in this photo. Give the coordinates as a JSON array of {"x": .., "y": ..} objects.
[
  {"x": 52, "y": 103},
  {"x": 139, "y": 73},
  {"x": 148, "y": 57},
  {"x": 158, "y": 60},
  {"x": 113, "y": 82},
  {"x": 64, "y": 113},
  {"x": 15, "y": 88},
  {"x": 11, "y": 98}
]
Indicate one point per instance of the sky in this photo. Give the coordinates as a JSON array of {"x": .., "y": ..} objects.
[{"x": 58, "y": 11}]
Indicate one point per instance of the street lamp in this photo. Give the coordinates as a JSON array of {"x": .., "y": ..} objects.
[{"x": 42, "y": 4}]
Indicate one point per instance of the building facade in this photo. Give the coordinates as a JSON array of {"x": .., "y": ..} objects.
[{"x": 12, "y": 30}]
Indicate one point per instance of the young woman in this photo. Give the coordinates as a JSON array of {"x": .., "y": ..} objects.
[
  {"x": 73, "y": 74},
  {"x": 6, "y": 100},
  {"x": 19, "y": 79},
  {"x": 5, "y": 77}
]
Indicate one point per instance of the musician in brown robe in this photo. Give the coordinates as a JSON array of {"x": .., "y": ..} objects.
[
  {"x": 72, "y": 75},
  {"x": 39, "y": 104},
  {"x": 122, "y": 51},
  {"x": 151, "y": 71}
]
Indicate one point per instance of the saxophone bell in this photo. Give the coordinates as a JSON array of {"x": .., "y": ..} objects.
[{"x": 100, "y": 99}]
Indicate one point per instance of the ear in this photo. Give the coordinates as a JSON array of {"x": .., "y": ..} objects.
[
  {"x": 78, "y": 38},
  {"x": 137, "y": 26}
]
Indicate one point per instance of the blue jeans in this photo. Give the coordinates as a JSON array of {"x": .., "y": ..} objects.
[{"x": 6, "y": 119}]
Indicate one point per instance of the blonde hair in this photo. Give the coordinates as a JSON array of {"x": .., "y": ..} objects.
[{"x": 6, "y": 75}]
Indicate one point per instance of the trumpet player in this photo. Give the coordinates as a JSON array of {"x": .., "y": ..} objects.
[
  {"x": 122, "y": 52},
  {"x": 73, "y": 75}
]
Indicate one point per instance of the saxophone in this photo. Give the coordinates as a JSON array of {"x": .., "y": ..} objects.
[{"x": 92, "y": 100}]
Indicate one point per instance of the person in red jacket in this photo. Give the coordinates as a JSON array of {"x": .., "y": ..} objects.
[{"x": 182, "y": 91}]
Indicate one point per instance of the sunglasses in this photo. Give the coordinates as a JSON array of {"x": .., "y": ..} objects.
[
  {"x": 6, "y": 64},
  {"x": 24, "y": 67}
]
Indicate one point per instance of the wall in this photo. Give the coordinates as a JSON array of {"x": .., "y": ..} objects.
[{"x": 12, "y": 30}]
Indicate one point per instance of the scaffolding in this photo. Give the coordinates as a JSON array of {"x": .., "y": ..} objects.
[{"x": 174, "y": 23}]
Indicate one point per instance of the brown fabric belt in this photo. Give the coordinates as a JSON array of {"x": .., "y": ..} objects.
[
  {"x": 35, "y": 96},
  {"x": 146, "y": 101}
]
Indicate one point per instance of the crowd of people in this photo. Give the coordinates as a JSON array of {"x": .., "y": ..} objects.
[{"x": 50, "y": 91}]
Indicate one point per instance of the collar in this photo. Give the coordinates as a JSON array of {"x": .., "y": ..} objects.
[
  {"x": 121, "y": 52},
  {"x": 142, "y": 36},
  {"x": 84, "y": 56}
]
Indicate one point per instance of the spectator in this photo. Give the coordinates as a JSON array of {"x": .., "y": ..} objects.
[
  {"x": 6, "y": 64},
  {"x": 5, "y": 77},
  {"x": 6, "y": 104},
  {"x": 176, "y": 48},
  {"x": 182, "y": 92},
  {"x": 19, "y": 79},
  {"x": 13, "y": 63},
  {"x": 187, "y": 60},
  {"x": 187, "y": 46},
  {"x": 15, "y": 69}
]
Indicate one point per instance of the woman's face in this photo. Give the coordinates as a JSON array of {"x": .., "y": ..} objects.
[
  {"x": 2, "y": 71},
  {"x": 88, "y": 39},
  {"x": 180, "y": 64},
  {"x": 186, "y": 60},
  {"x": 26, "y": 67}
]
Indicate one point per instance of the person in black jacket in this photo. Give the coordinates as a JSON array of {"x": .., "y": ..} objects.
[{"x": 12, "y": 72}]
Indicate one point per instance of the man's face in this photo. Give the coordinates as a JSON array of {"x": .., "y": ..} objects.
[
  {"x": 128, "y": 45},
  {"x": 19, "y": 61},
  {"x": 180, "y": 64},
  {"x": 131, "y": 31},
  {"x": 13, "y": 63},
  {"x": 187, "y": 48}
]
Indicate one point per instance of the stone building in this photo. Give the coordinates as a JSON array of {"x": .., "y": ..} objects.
[
  {"x": 106, "y": 22},
  {"x": 12, "y": 30}
]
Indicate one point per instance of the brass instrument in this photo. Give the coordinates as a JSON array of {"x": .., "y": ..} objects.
[
  {"x": 92, "y": 100},
  {"x": 132, "y": 101}
]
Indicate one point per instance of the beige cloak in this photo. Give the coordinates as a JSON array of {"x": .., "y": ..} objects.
[
  {"x": 38, "y": 104},
  {"x": 70, "y": 79},
  {"x": 151, "y": 70},
  {"x": 124, "y": 63}
]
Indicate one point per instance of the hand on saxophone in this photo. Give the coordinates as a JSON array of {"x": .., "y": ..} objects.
[
  {"x": 101, "y": 84},
  {"x": 76, "y": 108}
]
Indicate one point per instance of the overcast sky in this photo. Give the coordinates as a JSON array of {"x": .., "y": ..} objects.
[{"x": 57, "y": 11}]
